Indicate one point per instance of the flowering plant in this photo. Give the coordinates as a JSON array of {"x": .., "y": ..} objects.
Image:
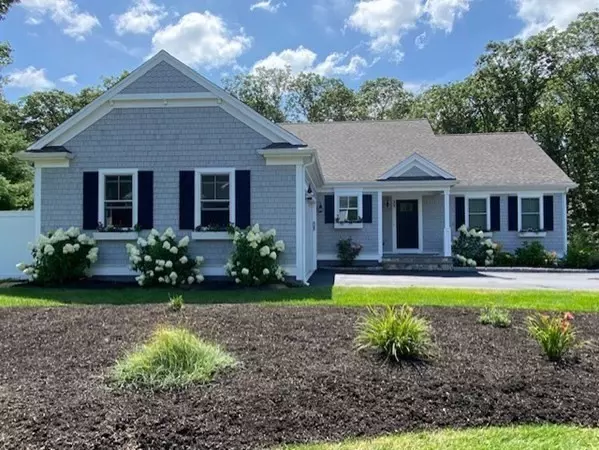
[
  {"x": 161, "y": 259},
  {"x": 254, "y": 258},
  {"x": 470, "y": 248},
  {"x": 60, "y": 256},
  {"x": 101, "y": 228},
  {"x": 348, "y": 251},
  {"x": 555, "y": 334}
]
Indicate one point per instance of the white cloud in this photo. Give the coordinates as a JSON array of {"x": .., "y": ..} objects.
[
  {"x": 267, "y": 5},
  {"x": 141, "y": 18},
  {"x": 33, "y": 21},
  {"x": 420, "y": 41},
  {"x": 131, "y": 51},
  {"x": 202, "y": 40},
  {"x": 443, "y": 13},
  {"x": 65, "y": 13},
  {"x": 541, "y": 14},
  {"x": 304, "y": 60},
  {"x": 69, "y": 79},
  {"x": 29, "y": 78}
]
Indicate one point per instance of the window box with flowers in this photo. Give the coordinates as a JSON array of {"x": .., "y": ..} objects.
[
  {"x": 532, "y": 233},
  {"x": 213, "y": 233},
  {"x": 113, "y": 233}
]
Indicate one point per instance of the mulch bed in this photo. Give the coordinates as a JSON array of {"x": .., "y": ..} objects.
[{"x": 300, "y": 379}]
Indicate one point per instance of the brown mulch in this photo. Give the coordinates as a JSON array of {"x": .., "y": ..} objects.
[{"x": 300, "y": 379}]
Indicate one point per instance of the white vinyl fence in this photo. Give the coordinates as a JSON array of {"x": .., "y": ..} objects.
[{"x": 17, "y": 229}]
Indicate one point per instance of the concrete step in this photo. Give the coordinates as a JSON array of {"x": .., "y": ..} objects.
[{"x": 428, "y": 263}]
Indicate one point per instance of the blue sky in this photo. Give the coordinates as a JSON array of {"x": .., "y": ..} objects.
[{"x": 69, "y": 44}]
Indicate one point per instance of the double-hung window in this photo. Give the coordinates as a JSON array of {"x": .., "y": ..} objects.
[
  {"x": 348, "y": 209},
  {"x": 531, "y": 214},
  {"x": 216, "y": 209},
  {"x": 117, "y": 198},
  {"x": 478, "y": 214}
]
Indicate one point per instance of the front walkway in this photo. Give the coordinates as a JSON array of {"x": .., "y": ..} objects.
[{"x": 485, "y": 280}]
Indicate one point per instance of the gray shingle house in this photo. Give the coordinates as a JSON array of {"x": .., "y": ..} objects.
[{"x": 165, "y": 147}]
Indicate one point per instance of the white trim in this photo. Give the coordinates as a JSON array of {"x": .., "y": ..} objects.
[
  {"x": 536, "y": 195},
  {"x": 46, "y": 159},
  {"x": 349, "y": 193},
  {"x": 446, "y": 225},
  {"x": 349, "y": 226},
  {"x": 287, "y": 156},
  {"x": 211, "y": 236},
  {"x": 511, "y": 189},
  {"x": 532, "y": 234},
  {"x": 474, "y": 196},
  {"x": 37, "y": 200},
  {"x": 198, "y": 191},
  {"x": 361, "y": 257},
  {"x": 86, "y": 116},
  {"x": 102, "y": 173},
  {"x": 115, "y": 236},
  {"x": 390, "y": 186},
  {"x": 420, "y": 248},
  {"x": 300, "y": 205},
  {"x": 380, "y": 224},
  {"x": 565, "y": 222},
  {"x": 419, "y": 162}
]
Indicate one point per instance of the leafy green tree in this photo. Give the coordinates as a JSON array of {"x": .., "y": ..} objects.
[
  {"x": 384, "y": 99},
  {"x": 337, "y": 103}
]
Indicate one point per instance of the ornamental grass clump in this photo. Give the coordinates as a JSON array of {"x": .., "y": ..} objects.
[
  {"x": 172, "y": 358},
  {"x": 254, "y": 260},
  {"x": 396, "y": 333},
  {"x": 496, "y": 317},
  {"x": 554, "y": 333},
  {"x": 163, "y": 260},
  {"x": 471, "y": 249},
  {"x": 175, "y": 303},
  {"x": 60, "y": 257}
]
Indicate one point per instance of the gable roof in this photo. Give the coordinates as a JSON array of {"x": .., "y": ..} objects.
[
  {"x": 232, "y": 105},
  {"x": 416, "y": 166},
  {"x": 363, "y": 151}
]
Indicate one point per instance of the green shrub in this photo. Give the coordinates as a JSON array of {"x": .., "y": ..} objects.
[
  {"x": 175, "y": 302},
  {"x": 348, "y": 251},
  {"x": 60, "y": 257},
  {"x": 172, "y": 358},
  {"x": 533, "y": 254},
  {"x": 504, "y": 259},
  {"x": 395, "y": 333},
  {"x": 471, "y": 249},
  {"x": 499, "y": 318},
  {"x": 161, "y": 259},
  {"x": 583, "y": 249},
  {"x": 254, "y": 260},
  {"x": 555, "y": 334}
]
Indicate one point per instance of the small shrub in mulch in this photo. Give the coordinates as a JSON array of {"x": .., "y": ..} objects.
[
  {"x": 499, "y": 318},
  {"x": 395, "y": 333},
  {"x": 173, "y": 358},
  {"x": 554, "y": 333},
  {"x": 175, "y": 303}
]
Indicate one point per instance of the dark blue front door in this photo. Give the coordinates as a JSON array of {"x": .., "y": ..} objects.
[{"x": 407, "y": 224}]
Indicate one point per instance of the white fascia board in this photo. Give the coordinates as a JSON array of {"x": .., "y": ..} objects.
[
  {"x": 416, "y": 160},
  {"x": 391, "y": 186},
  {"x": 514, "y": 189},
  {"x": 287, "y": 156}
]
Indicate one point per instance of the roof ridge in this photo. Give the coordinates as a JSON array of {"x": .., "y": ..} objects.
[
  {"x": 352, "y": 121},
  {"x": 488, "y": 133}
]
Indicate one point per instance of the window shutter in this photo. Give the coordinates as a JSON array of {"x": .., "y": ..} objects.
[
  {"x": 243, "y": 198},
  {"x": 329, "y": 209},
  {"x": 512, "y": 213},
  {"x": 187, "y": 200},
  {"x": 367, "y": 208},
  {"x": 548, "y": 212},
  {"x": 90, "y": 200},
  {"x": 145, "y": 199},
  {"x": 460, "y": 212},
  {"x": 495, "y": 213}
]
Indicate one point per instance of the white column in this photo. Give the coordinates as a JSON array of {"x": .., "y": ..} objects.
[
  {"x": 37, "y": 200},
  {"x": 380, "y": 223},
  {"x": 447, "y": 227},
  {"x": 300, "y": 220},
  {"x": 565, "y": 221}
]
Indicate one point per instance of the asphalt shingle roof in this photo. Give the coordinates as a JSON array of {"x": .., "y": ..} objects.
[{"x": 363, "y": 151}]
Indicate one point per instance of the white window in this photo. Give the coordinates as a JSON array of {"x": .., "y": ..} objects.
[
  {"x": 531, "y": 213},
  {"x": 117, "y": 198},
  {"x": 478, "y": 213},
  {"x": 348, "y": 208},
  {"x": 215, "y": 199}
]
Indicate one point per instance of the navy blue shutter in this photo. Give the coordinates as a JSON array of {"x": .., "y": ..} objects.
[
  {"x": 187, "y": 200},
  {"x": 495, "y": 213},
  {"x": 548, "y": 212},
  {"x": 460, "y": 212},
  {"x": 145, "y": 199},
  {"x": 243, "y": 198},
  {"x": 329, "y": 209},
  {"x": 512, "y": 213},
  {"x": 90, "y": 200},
  {"x": 367, "y": 208}
]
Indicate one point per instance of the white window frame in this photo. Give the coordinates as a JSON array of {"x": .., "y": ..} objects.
[
  {"x": 198, "y": 191},
  {"x": 349, "y": 193},
  {"x": 541, "y": 209},
  {"x": 467, "y": 208},
  {"x": 102, "y": 174}
]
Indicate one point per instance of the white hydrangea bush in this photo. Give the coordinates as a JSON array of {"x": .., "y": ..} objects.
[
  {"x": 471, "y": 249},
  {"x": 60, "y": 257},
  {"x": 254, "y": 260},
  {"x": 161, "y": 259}
]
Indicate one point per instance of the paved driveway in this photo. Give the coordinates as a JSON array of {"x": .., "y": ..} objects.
[{"x": 484, "y": 280}]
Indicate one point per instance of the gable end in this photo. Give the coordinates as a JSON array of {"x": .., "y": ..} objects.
[{"x": 163, "y": 79}]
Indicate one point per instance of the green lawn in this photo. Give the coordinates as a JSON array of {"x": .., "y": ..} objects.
[
  {"x": 325, "y": 296},
  {"x": 509, "y": 438}
]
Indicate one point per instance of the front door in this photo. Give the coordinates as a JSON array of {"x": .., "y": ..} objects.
[{"x": 407, "y": 224}]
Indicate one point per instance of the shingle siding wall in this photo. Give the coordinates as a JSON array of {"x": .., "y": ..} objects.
[
  {"x": 168, "y": 140},
  {"x": 162, "y": 79},
  {"x": 328, "y": 235}
]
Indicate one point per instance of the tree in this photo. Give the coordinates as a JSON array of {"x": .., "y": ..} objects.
[
  {"x": 306, "y": 89},
  {"x": 383, "y": 99},
  {"x": 4, "y": 6},
  {"x": 337, "y": 103}
]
